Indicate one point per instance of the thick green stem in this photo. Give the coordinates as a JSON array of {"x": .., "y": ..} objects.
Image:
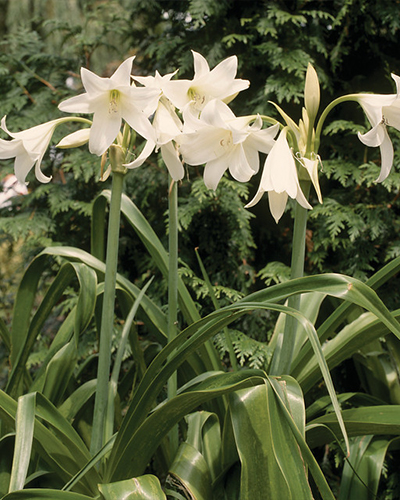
[
  {"x": 173, "y": 295},
  {"x": 107, "y": 319},
  {"x": 282, "y": 363}
]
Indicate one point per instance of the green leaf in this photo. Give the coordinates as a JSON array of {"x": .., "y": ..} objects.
[
  {"x": 191, "y": 470},
  {"x": 45, "y": 494},
  {"x": 156, "y": 318},
  {"x": 136, "y": 443},
  {"x": 330, "y": 325},
  {"x": 24, "y": 425},
  {"x": 6, "y": 454},
  {"x": 26, "y": 330},
  {"x": 61, "y": 448},
  {"x": 272, "y": 464},
  {"x": 59, "y": 372},
  {"x": 378, "y": 420},
  {"x": 145, "y": 487},
  {"x": 363, "y": 469}
]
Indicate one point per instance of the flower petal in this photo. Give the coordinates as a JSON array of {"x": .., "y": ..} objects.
[
  {"x": 77, "y": 104},
  {"x": 201, "y": 66},
  {"x": 122, "y": 75},
  {"x": 22, "y": 166},
  {"x": 373, "y": 137},
  {"x": 104, "y": 130},
  {"x": 277, "y": 204},
  {"x": 238, "y": 164},
  {"x": 213, "y": 172},
  {"x": 146, "y": 152},
  {"x": 387, "y": 155},
  {"x": 172, "y": 161}
]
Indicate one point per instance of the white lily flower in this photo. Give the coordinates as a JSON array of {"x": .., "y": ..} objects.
[
  {"x": 112, "y": 100},
  {"x": 381, "y": 111},
  {"x": 280, "y": 179},
  {"x": 222, "y": 141},
  {"x": 218, "y": 83},
  {"x": 28, "y": 148}
]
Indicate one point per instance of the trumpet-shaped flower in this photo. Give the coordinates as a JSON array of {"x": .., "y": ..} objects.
[
  {"x": 280, "y": 179},
  {"x": 222, "y": 141},
  {"x": 28, "y": 148},
  {"x": 218, "y": 83},
  {"x": 381, "y": 111},
  {"x": 112, "y": 100}
]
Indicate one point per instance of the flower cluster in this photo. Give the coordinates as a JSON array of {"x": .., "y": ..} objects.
[{"x": 190, "y": 122}]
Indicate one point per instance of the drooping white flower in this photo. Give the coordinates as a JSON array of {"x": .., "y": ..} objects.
[
  {"x": 218, "y": 83},
  {"x": 112, "y": 100},
  {"x": 381, "y": 111},
  {"x": 28, "y": 148},
  {"x": 222, "y": 141},
  {"x": 279, "y": 179}
]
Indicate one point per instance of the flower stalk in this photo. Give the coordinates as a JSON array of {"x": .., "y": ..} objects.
[
  {"x": 172, "y": 385},
  {"x": 282, "y": 363},
  {"x": 107, "y": 318}
]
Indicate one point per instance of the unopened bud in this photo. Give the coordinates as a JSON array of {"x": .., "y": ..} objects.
[
  {"x": 311, "y": 93},
  {"x": 117, "y": 158}
]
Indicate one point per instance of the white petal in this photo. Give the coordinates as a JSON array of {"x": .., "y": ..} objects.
[
  {"x": 372, "y": 104},
  {"x": 39, "y": 174},
  {"x": 22, "y": 166},
  {"x": 373, "y": 137},
  {"x": 252, "y": 156},
  {"x": 104, "y": 130},
  {"x": 386, "y": 157},
  {"x": 172, "y": 161},
  {"x": 122, "y": 75},
  {"x": 202, "y": 146},
  {"x": 263, "y": 140},
  {"x": 92, "y": 83},
  {"x": 238, "y": 164},
  {"x": 213, "y": 172},
  {"x": 312, "y": 168},
  {"x": 10, "y": 149},
  {"x": 76, "y": 104},
  {"x": 256, "y": 198},
  {"x": 146, "y": 152},
  {"x": 277, "y": 204},
  {"x": 392, "y": 114},
  {"x": 166, "y": 123},
  {"x": 201, "y": 66},
  {"x": 217, "y": 114},
  {"x": 177, "y": 92}
]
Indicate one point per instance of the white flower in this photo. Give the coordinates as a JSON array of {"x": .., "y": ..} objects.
[
  {"x": 381, "y": 110},
  {"x": 112, "y": 100},
  {"x": 28, "y": 148},
  {"x": 280, "y": 179},
  {"x": 219, "y": 83},
  {"x": 222, "y": 141}
]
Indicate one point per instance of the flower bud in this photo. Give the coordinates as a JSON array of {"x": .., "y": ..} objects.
[
  {"x": 75, "y": 139},
  {"x": 117, "y": 158},
  {"x": 311, "y": 93}
]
